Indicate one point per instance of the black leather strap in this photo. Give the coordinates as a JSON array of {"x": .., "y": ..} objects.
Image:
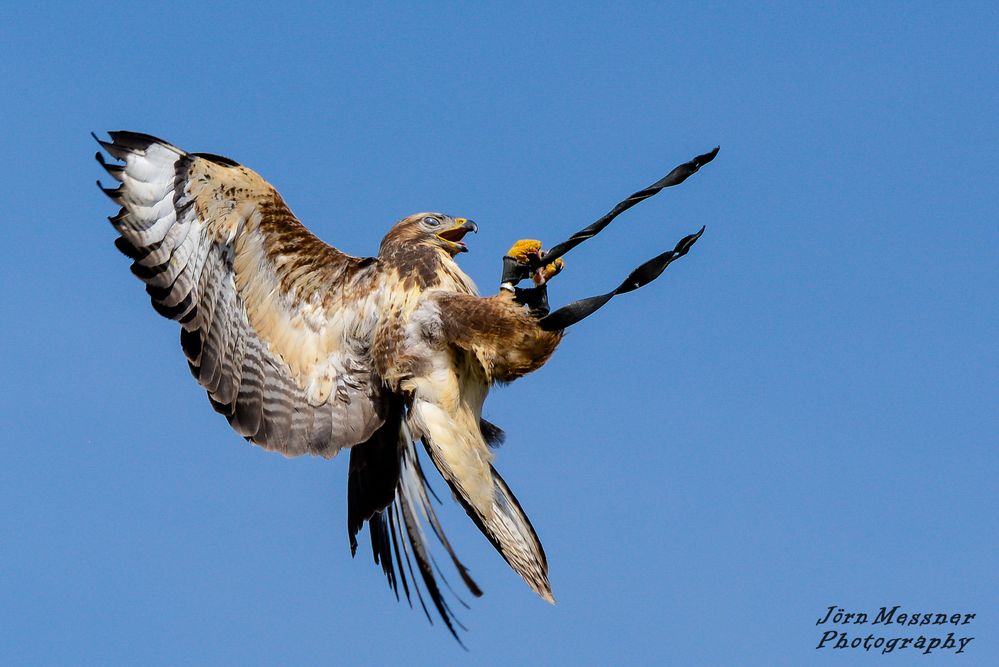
[
  {"x": 675, "y": 177},
  {"x": 535, "y": 298},
  {"x": 568, "y": 315}
]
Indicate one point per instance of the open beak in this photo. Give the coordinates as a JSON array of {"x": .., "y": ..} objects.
[{"x": 454, "y": 235}]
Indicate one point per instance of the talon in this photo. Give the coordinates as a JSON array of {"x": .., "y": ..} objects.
[
  {"x": 524, "y": 250},
  {"x": 548, "y": 271}
]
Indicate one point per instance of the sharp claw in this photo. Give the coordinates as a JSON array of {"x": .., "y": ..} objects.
[{"x": 548, "y": 271}]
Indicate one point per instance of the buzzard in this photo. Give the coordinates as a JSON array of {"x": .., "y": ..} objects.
[{"x": 307, "y": 350}]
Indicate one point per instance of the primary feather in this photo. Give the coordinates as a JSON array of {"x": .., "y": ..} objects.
[{"x": 307, "y": 350}]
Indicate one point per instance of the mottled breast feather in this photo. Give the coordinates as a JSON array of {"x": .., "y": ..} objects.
[
  {"x": 411, "y": 271},
  {"x": 275, "y": 322}
]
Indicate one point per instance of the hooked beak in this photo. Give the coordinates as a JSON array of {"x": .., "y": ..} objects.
[{"x": 453, "y": 236}]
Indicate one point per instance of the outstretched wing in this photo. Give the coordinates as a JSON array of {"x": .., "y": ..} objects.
[
  {"x": 501, "y": 333},
  {"x": 275, "y": 323}
]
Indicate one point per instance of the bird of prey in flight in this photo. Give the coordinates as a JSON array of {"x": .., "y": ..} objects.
[{"x": 307, "y": 350}]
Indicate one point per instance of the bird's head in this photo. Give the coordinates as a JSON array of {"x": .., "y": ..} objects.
[{"x": 431, "y": 229}]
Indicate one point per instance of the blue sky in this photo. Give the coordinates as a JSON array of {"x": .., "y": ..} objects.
[{"x": 801, "y": 413}]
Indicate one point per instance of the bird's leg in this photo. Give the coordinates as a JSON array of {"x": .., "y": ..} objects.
[
  {"x": 522, "y": 261},
  {"x": 519, "y": 264}
]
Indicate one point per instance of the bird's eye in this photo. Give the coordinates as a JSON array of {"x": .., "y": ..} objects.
[{"x": 431, "y": 222}]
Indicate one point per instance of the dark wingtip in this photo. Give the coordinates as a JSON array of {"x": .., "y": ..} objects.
[
  {"x": 112, "y": 147},
  {"x": 134, "y": 140},
  {"x": 112, "y": 193},
  {"x": 218, "y": 159},
  {"x": 115, "y": 171}
]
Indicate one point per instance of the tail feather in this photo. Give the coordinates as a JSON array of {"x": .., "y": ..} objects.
[
  {"x": 388, "y": 490},
  {"x": 414, "y": 493},
  {"x": 506, "y": 526}
]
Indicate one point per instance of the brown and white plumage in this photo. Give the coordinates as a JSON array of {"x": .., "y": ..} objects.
[
  {"x": 273, "y": 319},
  {"x": 307, "y": 350}
]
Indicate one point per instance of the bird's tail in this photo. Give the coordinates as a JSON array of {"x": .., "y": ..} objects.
[
  {"x": 462, "y": 458},
  {"x": 511, "y": 532},
  {"x": 386, "y": 487}
]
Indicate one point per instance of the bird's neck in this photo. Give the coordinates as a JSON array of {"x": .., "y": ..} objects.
[{"x": 422, "y": 267}]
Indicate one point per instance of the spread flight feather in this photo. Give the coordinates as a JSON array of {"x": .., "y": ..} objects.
[{"x": 307, "y": 350}]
